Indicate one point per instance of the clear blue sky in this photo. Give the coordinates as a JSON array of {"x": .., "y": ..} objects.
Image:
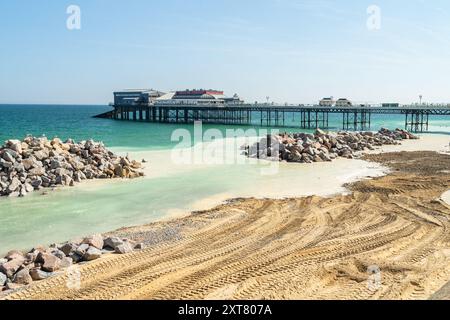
[{"x": 291, "y": 50}]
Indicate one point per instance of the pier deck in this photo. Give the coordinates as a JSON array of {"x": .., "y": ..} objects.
[{"x": 306, "y": 117}]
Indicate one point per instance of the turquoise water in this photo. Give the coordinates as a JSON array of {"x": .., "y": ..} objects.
[
  {"x": 76, "y": 122},
  {"x": 101, "y": 206}
]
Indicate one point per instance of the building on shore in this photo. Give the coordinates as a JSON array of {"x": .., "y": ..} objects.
[
  {"x": 343, "y": 102},
  {"x": 327, "y": 102}
]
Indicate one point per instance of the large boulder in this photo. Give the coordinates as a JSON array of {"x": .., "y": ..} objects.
[
  {"x": 95, "y": 240},
  {"x": 15, "y": 145},
  {"x": 9, "y": 156},
  {"x": 112, "y": 242},
  {"x": 23, "y": 277},
  {"x": 38, "y": 171},
  {"x": 81, "y": 250},
  {"x": 58, "y": 253},
  {"x": 41, "y": 155},
  {"x": 10, "y": 268},
  {"x": 126, "y": 247},
  {"x": 92, "y": 254},
  {"x": 14, "y": 254},
  {"x": 50, "y": 263},
  {"x": 69, "y": 248},
  {"x": 14, "y": 185},
  {"x": 37, "y": 274}
]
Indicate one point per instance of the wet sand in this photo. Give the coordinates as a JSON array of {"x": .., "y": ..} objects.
[{"x": 300, "y": 248}]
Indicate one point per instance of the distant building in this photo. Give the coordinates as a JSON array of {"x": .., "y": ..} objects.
[
  {"x": 343, "y": 102},
  {"x": 390, "y": 105},
  {"x": 235, "y": 99},
  {"x": 198, "y": 97},
  {"x": 134, "y": 97},
  {"x": 327, "y": 102}
]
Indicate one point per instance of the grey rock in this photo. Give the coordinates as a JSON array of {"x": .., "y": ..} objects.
[
  {"x": 58, "y": 253},
  {"x": 112, "y": 242},
  {"x": 11, "y": 267},
  {"x": 9, "y": 156},
  {"x": 92, "y": 254},
  {"x": 38, "y": 275},
  {"x": 50, "y": 263},
  {"x": 81, "y": 250},
  {"x": 126, "y": 247},
  {"x": 76, "y": 257},
  {"x": 14, "y": 185},
  {"x": 38, "y": 171},
  {"x": 69, "y": 248},
  {"x": 95, "y": 240},
  {"x": 23, "y": 277}
]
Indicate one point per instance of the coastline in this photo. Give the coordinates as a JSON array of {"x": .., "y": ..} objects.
[
  {"x": 294, "y": 248},
  {"x": 242, "y": 181}
]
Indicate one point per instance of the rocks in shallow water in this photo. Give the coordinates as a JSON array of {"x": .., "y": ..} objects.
[
  {"x": 36, "y": 163},
  {"x": 92, "y": 254},
  {"x": 307, "y": 148}
]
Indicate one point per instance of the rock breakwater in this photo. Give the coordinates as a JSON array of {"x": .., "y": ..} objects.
[
  {"x": 323, "y": 146},
  {"x": 18, "y": 269},
  {"x": 37, "y": 163}
]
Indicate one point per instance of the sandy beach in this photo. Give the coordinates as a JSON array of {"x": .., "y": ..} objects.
[{"x": 301, "y": 248}]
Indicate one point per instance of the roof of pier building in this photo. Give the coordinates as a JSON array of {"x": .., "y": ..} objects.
[{"x": 199, "y": 94}]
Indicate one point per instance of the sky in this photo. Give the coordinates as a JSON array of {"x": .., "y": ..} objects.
[{"x": 292, "y": 51}]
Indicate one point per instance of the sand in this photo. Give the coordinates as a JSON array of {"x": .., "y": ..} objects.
[{"x": 387, "y": 239}]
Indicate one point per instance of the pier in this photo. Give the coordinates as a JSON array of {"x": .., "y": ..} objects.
[{"x": 417, "y": 118}]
